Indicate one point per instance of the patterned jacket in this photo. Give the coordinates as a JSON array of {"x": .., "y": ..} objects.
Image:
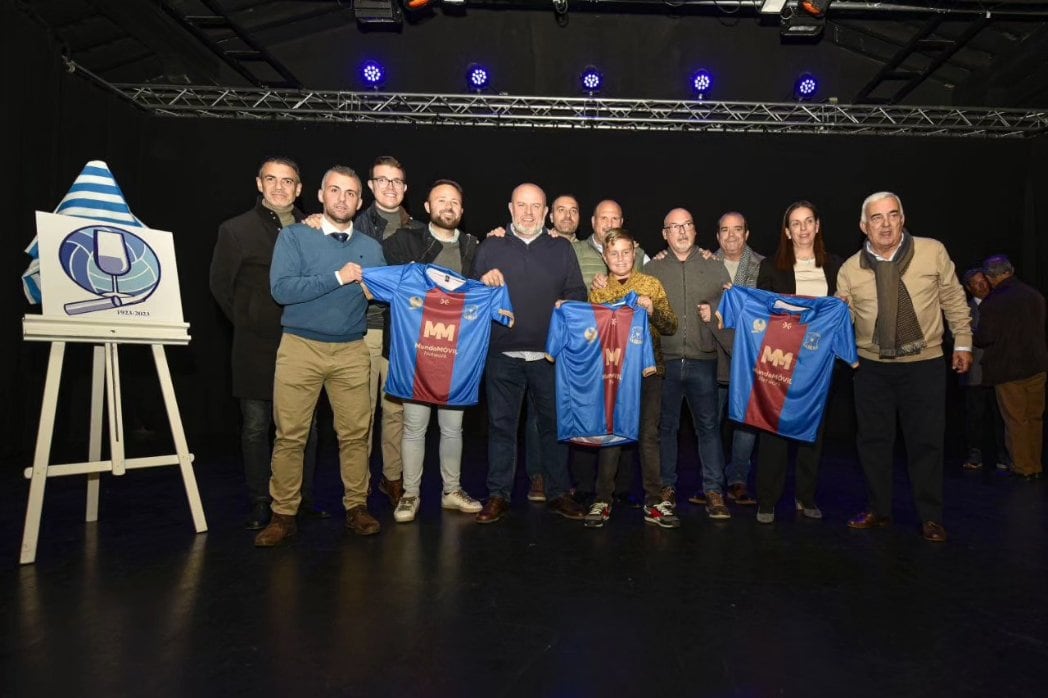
[
  {"x": 749, "y": 263},
  {"x": 662, "y": 321}
]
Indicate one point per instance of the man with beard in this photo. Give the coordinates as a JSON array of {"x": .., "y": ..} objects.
[
  {"x": 539, "y": 270},
  {"x": 315, "y": 275},
  {"x": 443, "y": 244},
  {"x": 239, "y": 281}
]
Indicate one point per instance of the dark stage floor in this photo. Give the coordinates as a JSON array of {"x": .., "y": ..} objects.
[{"x": 137, "y": 605}]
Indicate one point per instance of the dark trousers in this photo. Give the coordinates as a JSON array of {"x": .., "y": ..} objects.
[
  {"x": 608, "y": 463},
  {"x": 256, "y": 450},
  {"x": 983, "y": 425},
  {"x": 507, "y": 379},
  {"x": 584, "y": 468},
  {"x": 915, "y": 393},
  {"x": 772, "y": 460}
]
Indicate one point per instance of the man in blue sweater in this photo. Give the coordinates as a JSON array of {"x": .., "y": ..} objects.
[
  {"x": 316, "y": 276},
  {"x": 539, "y": 271}
]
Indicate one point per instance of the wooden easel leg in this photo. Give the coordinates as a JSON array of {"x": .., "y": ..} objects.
[
  {"x": 185, "y": 459},
  {"x": 44, "y": 433},
  {"x": 116, "y": 414},
  {"x": 94, "y": 449}
]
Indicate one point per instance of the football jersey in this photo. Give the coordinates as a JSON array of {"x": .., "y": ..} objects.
[
  {"x": 782, "y": 360},
  {"x": 441, "y": 324},
  {"x": 601, "y": 353}
]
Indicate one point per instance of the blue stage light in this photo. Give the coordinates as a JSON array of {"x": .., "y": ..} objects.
[
  {"x": 806, "y": 87},
  {"x": 591, "y": 80},
  {"x": 701, "y": 82},
  {"x": 477, "y": 77},
  {"x": 372, "y": 74}
]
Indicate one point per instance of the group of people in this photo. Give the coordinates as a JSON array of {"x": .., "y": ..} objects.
[{"x": 295, "y": 290}]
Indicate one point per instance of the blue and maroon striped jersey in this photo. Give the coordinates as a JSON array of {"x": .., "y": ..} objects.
[
  {"x": 601, "y": 351},
  {"x": 441, "y": 324},
  {"x": 782, "y": 360}
]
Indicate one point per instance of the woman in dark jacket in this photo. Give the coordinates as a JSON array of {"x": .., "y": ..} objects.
[{"x": 801, "y": 266}]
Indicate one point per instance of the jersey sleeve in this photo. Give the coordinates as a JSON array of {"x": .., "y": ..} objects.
[
  {"x": 648, "y": 365},
  {"x": 844, "y": 335},
  {"x": 730, "y": 306},
  {"x": 382, "y": 282},
  {"x": 501, "y": 307},
  {"x": 558, "y": 334}
]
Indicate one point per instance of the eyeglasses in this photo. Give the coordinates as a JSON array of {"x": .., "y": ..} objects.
[
  {"x": 678, "y": 227},
  {"x": 386, "y": 181}
]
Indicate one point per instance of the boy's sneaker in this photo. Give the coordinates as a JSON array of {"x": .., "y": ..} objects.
[
  {"x": 461, "y": 501},
  {"x": 715, "y": 507},
  {"x": 406, "y": 509},
  {"x": 661, "y": 514},
  {"x": 598, "y": 514}
]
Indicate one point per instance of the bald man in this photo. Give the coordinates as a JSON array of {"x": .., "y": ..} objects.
[{"x": 539, "y": 270}]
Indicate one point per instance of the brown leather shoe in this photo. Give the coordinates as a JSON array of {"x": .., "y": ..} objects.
[
  {"x": 933, "y": 531},
  {"x": 280, "y": 528},
  {"x": 361, "y": 522},
  {"x": 394, "y": 489},
  {"x": 494, "y": 509},
  {"x": 567, "y": 507},
  {"x": 868, "y": 519},
  {"x": 740, "y": 495}
]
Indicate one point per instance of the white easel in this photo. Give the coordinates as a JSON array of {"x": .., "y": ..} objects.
[{"x": 108, "y": 335}]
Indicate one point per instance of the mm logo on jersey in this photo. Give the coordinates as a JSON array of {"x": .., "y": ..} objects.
[
  {"x": 438, "y": 330},
  {"x": 777, "y": 358},
  {"x": 612, "y": 356}
]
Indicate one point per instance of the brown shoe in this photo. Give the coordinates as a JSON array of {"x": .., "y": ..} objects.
[
  {"x": 715, "y": 507},
  {"x": 668, "y": 494},
  {"x": 740, "y": 495},
  {"x": 361, "y": 522},
  {"x": 537, "y": 493},
  {"x": 933, "y": 531},
  {"x": 567, "y": 507},
  {"x": 394, "y": 489},
  {"x": 280, "y": 528},
  {"x": 494, "y": 509},
  {"x": 868, "y": 519}
]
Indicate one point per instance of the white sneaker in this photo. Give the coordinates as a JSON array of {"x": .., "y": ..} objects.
[
  {"x": 406, "y": 509},
  {"x": 461, "y": 501}
]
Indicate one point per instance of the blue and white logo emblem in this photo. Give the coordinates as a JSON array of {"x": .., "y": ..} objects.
[{"x": 114, "y": 265}]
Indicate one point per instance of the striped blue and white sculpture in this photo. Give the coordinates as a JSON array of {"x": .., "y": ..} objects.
[{"x": 95, "y": 195}]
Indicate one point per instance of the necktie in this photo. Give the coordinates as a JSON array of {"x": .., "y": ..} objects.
[{"x": 341, "y": 237}]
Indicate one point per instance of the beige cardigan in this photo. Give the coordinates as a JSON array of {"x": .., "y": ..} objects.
[{"x": 931, "y": 281}]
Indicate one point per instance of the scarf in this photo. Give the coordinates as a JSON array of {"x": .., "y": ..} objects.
[{"x": 897, "y": 331}]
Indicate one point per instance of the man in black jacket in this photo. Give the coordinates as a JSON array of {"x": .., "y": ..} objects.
[
  {"x": 239, "y": 281},
  {"x": 387, "y": 181},
  {"x": 1011, "y": 333}
]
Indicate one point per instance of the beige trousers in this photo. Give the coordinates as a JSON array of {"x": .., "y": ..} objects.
[{"x": 392, "y": 410}]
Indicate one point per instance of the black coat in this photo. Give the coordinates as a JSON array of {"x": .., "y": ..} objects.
[
  {"x": 239, "y": 281},
  {"x": 770, "y": 278},
  {"x": 1011, "y": 333},
  {"x": 414, "y": 244}
]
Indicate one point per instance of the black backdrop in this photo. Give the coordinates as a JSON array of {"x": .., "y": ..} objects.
[{"x": 977, "y": 196}]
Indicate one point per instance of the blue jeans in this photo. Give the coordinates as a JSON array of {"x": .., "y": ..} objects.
[
  {"x": 256, "y": 450},
  {"x": 506, "y": 381},
  {"x": 743, "y": 439},
  {"x": 694, "y": 380}
]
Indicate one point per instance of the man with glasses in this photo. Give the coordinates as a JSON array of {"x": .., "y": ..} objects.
[
  {"x": 694, "y": 285},
  {"x": 386, "y": 215},
  {"x": 239, "y": 280},
  {"x": 316, "y": 277}
]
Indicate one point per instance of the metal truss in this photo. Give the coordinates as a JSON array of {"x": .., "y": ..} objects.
[{"x": 582, "y": 113}]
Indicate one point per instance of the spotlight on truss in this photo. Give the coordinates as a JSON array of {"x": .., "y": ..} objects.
[
  {"x": 701, "y": 83},
  {"x": 591, "y": 80},
  {"x": 805, "y": 88},
  {"x": 478, "y": 78}
]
